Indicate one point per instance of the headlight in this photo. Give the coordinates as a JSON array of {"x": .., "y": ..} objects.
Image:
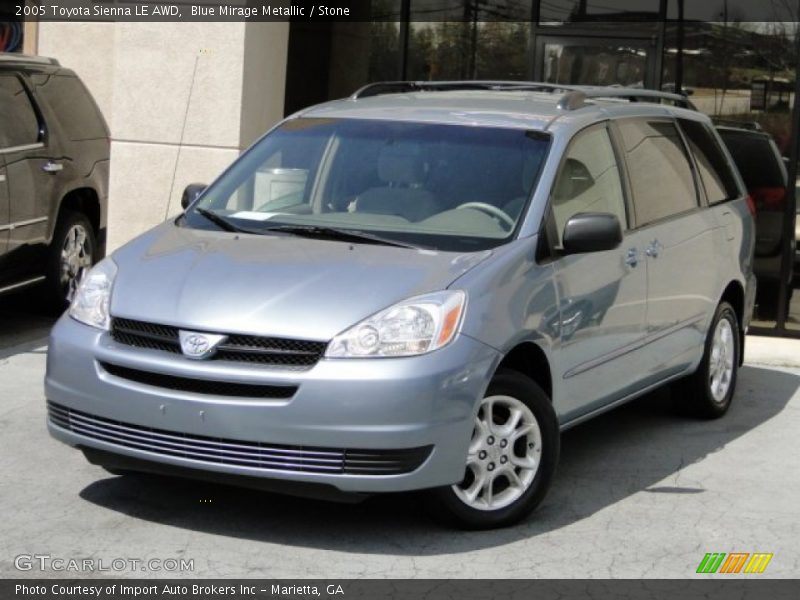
[
  {"x": 415, "y": 326},
  {"x": 92, "y": 299}
]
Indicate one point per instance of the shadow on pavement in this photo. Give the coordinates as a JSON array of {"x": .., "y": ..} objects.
[
  {"x": 629, "y": 450},
  {"x": 24, "y": 323}
]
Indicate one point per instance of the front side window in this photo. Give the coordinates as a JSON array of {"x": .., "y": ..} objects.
[
  {"x": 589, "y": 180},
  {"x": 440, "y": 186},
  {"x": 660, "y": 173},
  {"x": 18, "y": 123}
]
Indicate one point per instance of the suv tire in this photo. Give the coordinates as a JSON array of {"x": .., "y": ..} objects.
[
  {"x": 708, "y": 392},
  {"x": 71, "y": 253},
  {"x": 510, "y": 463}
]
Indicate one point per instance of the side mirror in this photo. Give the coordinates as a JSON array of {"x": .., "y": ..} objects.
[
  {"x": 191, "y": 193},
  {"x": 591, "y": 232}
]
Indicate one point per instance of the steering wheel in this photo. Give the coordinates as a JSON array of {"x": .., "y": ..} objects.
[{"x": 490, "y": 210}]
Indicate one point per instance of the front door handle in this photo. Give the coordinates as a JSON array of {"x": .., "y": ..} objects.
[
  {"x": 52, "y": 167},
  {"x": 653, "y": 249},
  {"x": 632, "y": 257}
]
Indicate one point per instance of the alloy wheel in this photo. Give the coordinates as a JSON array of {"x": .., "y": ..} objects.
[
  {"x": 76, "y": 259},
  {"x": 720, "y": 364},
  {"x": 504, "y": 454}
]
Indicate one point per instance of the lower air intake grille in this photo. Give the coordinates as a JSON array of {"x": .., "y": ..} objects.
[
  {"x": 201, "y": 386},
  {"x": 306, "y": 459}
]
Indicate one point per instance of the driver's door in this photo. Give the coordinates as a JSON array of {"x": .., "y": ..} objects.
[{"x": 602, "y": 296}]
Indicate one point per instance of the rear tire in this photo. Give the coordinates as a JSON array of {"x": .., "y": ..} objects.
[
  {"x": 72, "y": 252},
  {"x": 511, "y": 459},
  {"x": 708, "y": 392}
]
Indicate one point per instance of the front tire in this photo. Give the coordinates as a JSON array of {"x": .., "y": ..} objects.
[
  {"x": 708, "y": 392},
  {"x": 511, "y": 459}
]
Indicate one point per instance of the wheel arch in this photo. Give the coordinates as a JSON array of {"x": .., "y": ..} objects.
[
  {"x": 734, "y": 295},
  {"x": 84, "y": 200},
  {"x": 530, "y": 359}
]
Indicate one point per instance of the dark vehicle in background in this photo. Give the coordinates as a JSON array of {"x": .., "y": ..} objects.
[
  {"x": 54, "y": 159},
  {"x": 764, "y": 173}
]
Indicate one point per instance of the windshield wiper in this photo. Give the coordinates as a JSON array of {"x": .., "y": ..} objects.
[
  {"x": 345, "y": 235},
  {"x": 219, "y": 221}
]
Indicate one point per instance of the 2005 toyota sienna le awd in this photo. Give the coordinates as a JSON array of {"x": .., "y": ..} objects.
[{"x": 414, "y": 288}]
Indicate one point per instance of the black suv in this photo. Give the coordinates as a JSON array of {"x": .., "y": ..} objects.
[
  {"x": 764, "y": 173},
  {"x": 54, "y": 157}
]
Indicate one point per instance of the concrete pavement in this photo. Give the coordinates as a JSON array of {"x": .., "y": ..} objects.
[{"x": 640, "y": 492}]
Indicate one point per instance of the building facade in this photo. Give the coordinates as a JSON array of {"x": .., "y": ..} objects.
[{"x": 184, "y": 99}]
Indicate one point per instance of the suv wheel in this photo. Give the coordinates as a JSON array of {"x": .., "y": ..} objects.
[
  {"x": 511, "y": 459},
  {"x": 72, "y": 253},
  {"x": 708, "y": 392}
]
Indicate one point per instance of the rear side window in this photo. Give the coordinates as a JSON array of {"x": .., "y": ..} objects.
[
  {"x": 660, "y": 173},
  {"x": 18, "y": 123},
  {"x": 715, "y": 173},
  {"x": 73, "y": 107}
]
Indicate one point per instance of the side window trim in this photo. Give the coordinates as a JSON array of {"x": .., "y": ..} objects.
[
  {"x": 622, "y": 165},
  {"x": 699, "y": 187}
]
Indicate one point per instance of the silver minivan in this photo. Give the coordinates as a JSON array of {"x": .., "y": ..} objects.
[{"x": 417, "y": 288}]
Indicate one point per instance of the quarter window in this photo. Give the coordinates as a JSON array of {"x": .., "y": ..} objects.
[
  {"x": 715, "y": 172},
  {"x": 70, "y": 100},
  {"x": 660, "y": 173},
  {"x": 589, "y": 180},
  {"x": 18, "y": 123}
]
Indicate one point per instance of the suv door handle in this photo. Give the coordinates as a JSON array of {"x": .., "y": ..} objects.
[
  {"x": 632, "y": 257},
  {"x": 2, "y": 178},
  {"x": 653, "y": 249},
  {"x": 52, "y": 167}
]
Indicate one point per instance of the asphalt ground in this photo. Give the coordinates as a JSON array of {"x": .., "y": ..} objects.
[{"x": 640, "y": 492}]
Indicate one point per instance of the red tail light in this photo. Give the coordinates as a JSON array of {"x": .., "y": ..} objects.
[
  {"x": 769, "y": 198},
  {"x": 751, "y": 205}
]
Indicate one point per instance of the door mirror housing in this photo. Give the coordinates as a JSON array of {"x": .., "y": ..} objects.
[
  {"x": 591, "y": 232},
  {"x": 191, "y": 193}
]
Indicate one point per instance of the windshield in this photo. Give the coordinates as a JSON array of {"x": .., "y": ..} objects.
[{"x": 446, "y": 187}]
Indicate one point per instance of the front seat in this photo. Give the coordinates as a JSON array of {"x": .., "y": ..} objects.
[{"x": 402, "y": 170}]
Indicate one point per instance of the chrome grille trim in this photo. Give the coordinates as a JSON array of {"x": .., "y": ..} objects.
[
  {"x": 283, "y": 352},
  {"x": 341, "y": 461}
]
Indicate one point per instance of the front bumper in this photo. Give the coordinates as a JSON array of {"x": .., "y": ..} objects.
[{"x": 365, "y": 404}]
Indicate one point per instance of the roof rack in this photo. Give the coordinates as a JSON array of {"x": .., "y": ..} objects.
[
  {"x": 404, "y": 87},
  {"x": 750, "y": 125},
  {"x": 575, "y": 95},
  {"x": 27, "y": 58}
]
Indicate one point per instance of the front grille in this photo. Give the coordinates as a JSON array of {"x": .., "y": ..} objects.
[
  {"x": 306, "y": 459},
  {"x": 297, "y": 354},
  {"x": 201, "y": 386}
]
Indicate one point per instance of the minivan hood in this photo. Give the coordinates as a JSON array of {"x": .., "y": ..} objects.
[{"x": 275, "y": 285}]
